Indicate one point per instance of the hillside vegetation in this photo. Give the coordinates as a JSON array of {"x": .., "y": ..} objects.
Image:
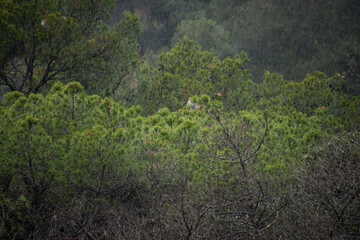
[{"x": 101, "y": 138}]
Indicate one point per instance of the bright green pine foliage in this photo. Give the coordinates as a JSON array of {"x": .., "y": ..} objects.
[
  {"x": 187, "y": 71},
  {"x": 58, "y": 144},
  {"x": 228, "y": 164},
  {"x": 82, "y": 154}
]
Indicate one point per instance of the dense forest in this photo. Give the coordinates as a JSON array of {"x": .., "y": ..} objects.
[
  {"x": 179, "y": 119},
  {"x": 291, "y": 38}
]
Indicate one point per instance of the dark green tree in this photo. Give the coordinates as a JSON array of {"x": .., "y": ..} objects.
[
  {"x": 44, "y": 41},
  {"x": 206, "y": 33}
]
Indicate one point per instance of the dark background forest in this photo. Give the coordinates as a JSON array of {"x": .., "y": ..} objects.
[
  {"x": 180, "y": 119},
  {"x": 291, "y": 38}
]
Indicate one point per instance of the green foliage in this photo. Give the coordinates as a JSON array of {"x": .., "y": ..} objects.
[
  {"x": 315, "y": 91},
  {"x": 272, "y": 84},
  {"x": 187, "y": 71},
  {"x": 59, "y": 144},
  {"x": 193, "y": 148},
  {"x": 205, "y": 32},
  {"x": 45, "y": 41},
  {"x": 291, "y": 38},
  {"x": 76, "y": 158}
]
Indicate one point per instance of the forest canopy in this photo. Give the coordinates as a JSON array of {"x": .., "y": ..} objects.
[
  {"x": 291, "y": 38},
  {"x": 174, "y": 121}
]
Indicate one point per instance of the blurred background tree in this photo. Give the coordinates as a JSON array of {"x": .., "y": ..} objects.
[{"x": 291, "y": 38}]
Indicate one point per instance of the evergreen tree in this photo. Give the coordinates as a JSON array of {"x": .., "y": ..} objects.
[{"x": 44, "y": 41}]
